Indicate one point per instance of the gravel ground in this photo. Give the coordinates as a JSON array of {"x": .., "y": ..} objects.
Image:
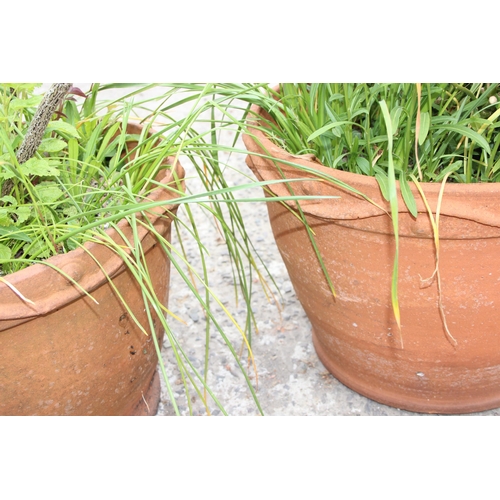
[{"x": 291, "y": 379}]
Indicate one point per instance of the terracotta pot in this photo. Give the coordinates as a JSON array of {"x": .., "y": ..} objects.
[
  {"x": 65, "y": 355},
  {"x": 355, "y": 334}
]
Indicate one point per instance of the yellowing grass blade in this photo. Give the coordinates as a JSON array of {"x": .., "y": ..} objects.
[
  {"x": 17, "y": 292},
  {"x": 435, "y": 230},
  {"x": 393, "y": 200}
]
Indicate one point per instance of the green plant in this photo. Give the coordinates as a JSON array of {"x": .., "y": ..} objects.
[
  {"x": 437, "y": 128},
  {"x": 83, "y": 179},
  {"x": 396, "y": 132},
  {"x": 87, "y": 173}
]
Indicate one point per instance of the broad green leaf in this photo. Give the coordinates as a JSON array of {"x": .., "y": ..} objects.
[
  {"x": 25, "y": 103},
  {"x": 471, "y": 134},
  {"x": 14, "y": 234},
  {"x": 408, "y": 197},
  {"x": 5, "y": 252},
  {"x": 398, "y": 166},
  {"x": 19, "y": 87},
  {"x": 52, "y": 145},
  {"x": 8, "y": 199},
  {"x": 5, "y": 219},
  {"x": 70, "y": 211},
  {"x": 105, "y": 145},
  {"x": 94, "y": 137},
  {"x": 425, "y": 121},
  {"x": 64, "y": 127},
  {"x": 363, "y": 164},
  {"x": 39, "y": 167},
  {"x": 48, "y": 192},
  {"x": 23, "y": 214},
  {"x": 387, "y": 121},
  {"x": 333, "y": 119},
  {"x": 383, "y": 183},
  {"x": 496, "y": 166},
  {"x": 39, "y": 249}
]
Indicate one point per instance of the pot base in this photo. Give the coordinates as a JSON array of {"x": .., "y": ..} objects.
[
  {"x": 402, "y": 402},
  {"x": 148, "y": 404},
  {"x": 450, "y": 359}
]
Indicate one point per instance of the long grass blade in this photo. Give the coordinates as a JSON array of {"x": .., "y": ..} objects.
[{"x": 393, "y": 200}]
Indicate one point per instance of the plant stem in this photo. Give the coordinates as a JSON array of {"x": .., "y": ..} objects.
[
  {"x": 37, "y": 127},
  {"x": 42, "y": 117}
]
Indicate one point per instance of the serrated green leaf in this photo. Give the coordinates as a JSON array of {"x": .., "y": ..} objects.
[
  {"x": 52, "y": 145},
  {"x": 63, "y": 127},
  {"x": 7, "y": 173},
  {"x": 48, "y": 192},
  {"x": 425, "y": 122},
  {"x": 8, "y": 199},
  {"x": 407, "y": 195},
  {"x": 39, "y": 167},
  {"x": 14, "y": 234},
  {"x": 5, "y": 219},
  {"x": 70, "y": 211},
  {"x": 18, "y": 87},
  {"x": 38, "y": 248},
  {"x": 31, "y": 102},
  {"x": 23, "y": 214}
]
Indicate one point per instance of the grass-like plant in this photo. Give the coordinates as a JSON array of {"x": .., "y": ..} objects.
[
  {"x": 395, "y": 132},
  {"x": 64, "y": 183}
]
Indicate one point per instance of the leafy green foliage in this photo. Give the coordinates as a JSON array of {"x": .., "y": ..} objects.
[
  {"x": 79, "y": 168},
  {"x": 458, "y": 123},
  {"x": 89, "y": 173}
]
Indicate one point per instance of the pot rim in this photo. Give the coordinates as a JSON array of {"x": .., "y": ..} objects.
[
  {"x": 478, "y": 202},
  {"x": 79, "y": 263}
]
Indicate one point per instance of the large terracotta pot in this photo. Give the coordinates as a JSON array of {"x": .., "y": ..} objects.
[
  {"x": 355, "y": 334},
  {"x": 65, "y": 355}
]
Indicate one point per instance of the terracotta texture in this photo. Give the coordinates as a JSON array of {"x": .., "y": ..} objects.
[
  {"x": 65, "y": 355},
  {"x": 355, "y": 334}
]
